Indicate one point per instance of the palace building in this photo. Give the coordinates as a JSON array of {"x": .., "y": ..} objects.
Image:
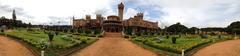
[{"x": 115, "y": 23}]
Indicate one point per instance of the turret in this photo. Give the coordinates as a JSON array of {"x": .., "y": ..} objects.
[
  {"x": 140, "y": 15},
  {"x": 88, "y": 17},
  {"x": 99, "y": 17},
  {"x": 120, "y": 11}
]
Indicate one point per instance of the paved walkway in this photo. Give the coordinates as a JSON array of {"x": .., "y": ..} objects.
[
  {"x": 9, "y": 47},
  {"x": 112, "y": 44},
  {"x": 226, "y": 48}
]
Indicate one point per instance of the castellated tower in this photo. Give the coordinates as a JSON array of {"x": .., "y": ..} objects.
[{"x": 120, "y": 11}]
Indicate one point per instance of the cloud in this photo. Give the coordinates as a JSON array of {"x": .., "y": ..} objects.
[
  {"x": 59, "y": 20},
  {"x": 130, "y": 13},
  {"x": 6, "y": 10},
  {"x": 41, "y": 10},
  {"x": 193, "y": 13}
]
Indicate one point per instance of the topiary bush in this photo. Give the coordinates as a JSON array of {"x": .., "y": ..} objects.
[
  {"x": 2, "y": 30},
  {"x": 174, "y": 39},
  {"x": 84, "y": 40},
  {"x": 56, "y": 32},
  {"x": 50, "y": 36},
  {"x": 204, "y": 36},
  {"x": 126, "y": 36},
  {"x": 167, "y": 36}
]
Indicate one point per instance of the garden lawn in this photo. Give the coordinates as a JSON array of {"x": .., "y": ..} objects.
[
  {"x": 61, "y": 43},
  {"x": 165, "y": 44}
]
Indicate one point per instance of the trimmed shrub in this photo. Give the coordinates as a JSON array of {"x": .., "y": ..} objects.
[
  {"x": 174, "y": 39},
  {"x": 167, "y": 36},
  {"x": 204, "y": 36},
  {"x": 56, "y": 32},
  {"x": 2, "y": 30},
  {"x": 50, "y": 36},
  {"x": 125, "y": 36}
]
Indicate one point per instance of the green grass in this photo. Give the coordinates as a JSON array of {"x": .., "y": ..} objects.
[
  {"x": 185, "y": 42},
  {"x": 60, "y": 44}
]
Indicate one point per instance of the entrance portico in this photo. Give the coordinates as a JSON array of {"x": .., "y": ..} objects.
[{"x": 113, "y": 24}]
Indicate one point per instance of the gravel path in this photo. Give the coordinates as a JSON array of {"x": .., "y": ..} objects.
[
  {"x": 112, "y": 44},
  {"x": 9, "y": 47},
  {"x": 226, "y": 48}
]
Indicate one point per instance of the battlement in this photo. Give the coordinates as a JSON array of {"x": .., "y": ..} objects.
[{"x": 88, "y": 17}]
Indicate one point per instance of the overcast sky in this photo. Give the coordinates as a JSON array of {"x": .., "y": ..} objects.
[{"x": 192, "y": 13}]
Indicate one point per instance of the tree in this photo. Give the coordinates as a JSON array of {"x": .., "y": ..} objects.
[
  {"x": 177, "y": 28},
  {"x": 3, "y": 17},
  {"x": 234, "y": 27},
  {"x": 174, "y": 39},
  {"x": 50, "y": 36},
  {"x": 193, "y": 30}
]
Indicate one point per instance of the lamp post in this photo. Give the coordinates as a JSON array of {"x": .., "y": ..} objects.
[
  {"x": 183, "y": 52},
  {"x": 44, "y": 45}
]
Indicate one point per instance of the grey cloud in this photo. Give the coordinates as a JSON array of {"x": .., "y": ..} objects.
[
  {"x": 62, "y": 20},
  {"x": 19, "y": 11},
  {"x": 200, "y": 13}
]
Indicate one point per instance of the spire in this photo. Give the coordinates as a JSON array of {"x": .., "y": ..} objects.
[
  {"x": 73, "y": 18},
  {"x": 14, "y": 17},
  {"x": 121, "y": 5}
]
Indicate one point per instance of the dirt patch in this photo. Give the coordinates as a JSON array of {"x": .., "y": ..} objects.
[
  {"x": 226, "y": 48},
  {"x": 9, "y": 47},
  {"x": 112, "y": 44}
]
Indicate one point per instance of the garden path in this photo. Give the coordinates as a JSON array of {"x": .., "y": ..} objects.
[
  {"x": 10, "y": 47},
  {"x": 226, "y": 48},
  {"x": 112, "y": 44}
]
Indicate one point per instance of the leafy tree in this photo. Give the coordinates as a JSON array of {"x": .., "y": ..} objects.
[
  {"x": 177, "y": 28},
  {"x": 209, "y": 29},
  {"x": 174, "y": 39},
  {"x": 193, "y": 30},
  {"x": 234, "y": 27},
  {"x": 3, "y": 17}
]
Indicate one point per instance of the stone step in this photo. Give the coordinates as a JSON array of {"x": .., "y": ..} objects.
[{"x": 112, "y": 34}]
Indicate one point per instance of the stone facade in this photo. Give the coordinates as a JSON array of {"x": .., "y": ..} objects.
[
  {"x": 116, "y": 23},
  {"x": 88, "y": 22}
]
